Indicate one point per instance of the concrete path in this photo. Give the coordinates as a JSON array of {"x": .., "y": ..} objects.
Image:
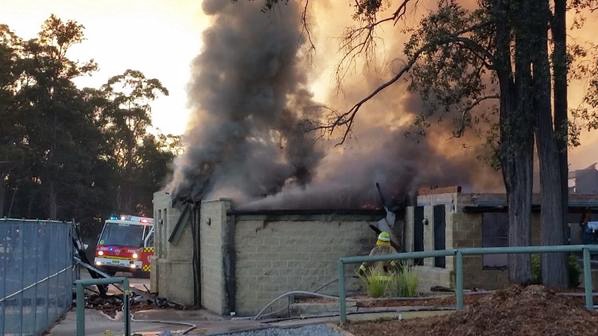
[{"x": 99, "y": 324}]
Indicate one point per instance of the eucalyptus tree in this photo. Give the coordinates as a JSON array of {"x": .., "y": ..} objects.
[
  {"x": 128, "y": 117},
  {"x": 504, "y": 63}
]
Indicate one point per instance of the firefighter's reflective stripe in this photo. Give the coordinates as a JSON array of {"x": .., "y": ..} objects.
[
  {"x": 147, "y": 268},
  {"x": 148, "y": 249}
]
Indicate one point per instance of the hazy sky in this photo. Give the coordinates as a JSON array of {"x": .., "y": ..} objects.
[
  {"x": 161, "y": 38},
  {"x": 158, "y": 37}
]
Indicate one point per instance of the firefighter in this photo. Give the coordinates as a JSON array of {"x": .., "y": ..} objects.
[{"x": 382, "y": 247}]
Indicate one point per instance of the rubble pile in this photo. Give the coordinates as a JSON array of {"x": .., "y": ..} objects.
[
  {"x": 532, "y": 310},
  {"x": 139, "y": 300}
]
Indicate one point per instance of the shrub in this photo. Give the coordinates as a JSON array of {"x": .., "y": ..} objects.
[
  {"x": 375, "y": 282},
  {"x": 574, "y": 271},
  {"x": 572, "y": 266},
  {"x": 408, "y": 281},
  {"x": 401, "y": 283},
  {"x": 536, "y": 269}
]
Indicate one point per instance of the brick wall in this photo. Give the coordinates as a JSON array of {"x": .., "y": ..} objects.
[
  {"x": 276, "y": 254},
  {"x": 171, "y": 258},
  {"x": 213, "y": 219},
  {"x": 468, "y": 233}
]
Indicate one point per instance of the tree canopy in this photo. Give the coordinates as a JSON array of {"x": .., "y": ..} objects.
[
  {"x": 70, "y": 152},
  {"x": 504, "y": 66}
]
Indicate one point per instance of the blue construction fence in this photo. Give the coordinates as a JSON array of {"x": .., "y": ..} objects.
[{"x": 36, "y": 274}]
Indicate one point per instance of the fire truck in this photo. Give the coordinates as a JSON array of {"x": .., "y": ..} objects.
[{"x": 125, "y": 245}]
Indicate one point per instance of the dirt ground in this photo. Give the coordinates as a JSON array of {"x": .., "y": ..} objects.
[
  {"x": 447, "y": 300},
  {"x": 532, "y": 311}
]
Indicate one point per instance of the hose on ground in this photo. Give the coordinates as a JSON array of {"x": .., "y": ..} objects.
[
  {"x": 190, "y": 326},
  {"x": 286, "y": 294}
]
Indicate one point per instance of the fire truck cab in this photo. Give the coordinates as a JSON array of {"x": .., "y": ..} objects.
[{"x": 125, "y": 245}]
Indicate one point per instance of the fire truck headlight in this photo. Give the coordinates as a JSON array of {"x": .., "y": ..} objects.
[
  {"x": 100, "y": 253},
  {"x": 135, "y": 256},
  {"x": 98, "y": 263},
  {"x": 132, "y": 265}
]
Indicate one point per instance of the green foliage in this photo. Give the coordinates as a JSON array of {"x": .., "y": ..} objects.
[
  {"x": 574, "y": 271},
  {"x": 401, "y": 283},
  {"x": 407, "y": 281},
  {"x": 67, "y": 152},
  {"x": 536, "y": 260},
  {"x": 376, "y": 283},
  {"x": 572, "y": 266},
  {"x": 450, "y": 69}
]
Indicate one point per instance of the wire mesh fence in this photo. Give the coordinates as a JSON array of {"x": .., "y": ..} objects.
[{"x": 36, "y": 274}]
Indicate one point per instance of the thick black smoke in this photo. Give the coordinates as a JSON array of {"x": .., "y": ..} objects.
[{"x": 247, "y": 137}]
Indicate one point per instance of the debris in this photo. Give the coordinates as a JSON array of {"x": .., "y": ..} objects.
[{"x": 139, "y": 300}]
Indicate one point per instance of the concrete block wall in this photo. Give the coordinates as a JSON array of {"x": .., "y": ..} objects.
[
  {"x": 429, "y": 234},
  {"x": 467, "y": 232},
  {"x": 213, "y": 219},
  {"x": 171, "y": 258},
  {"x": 281, "y": 253},
  {"x": 429, "y": 276}
]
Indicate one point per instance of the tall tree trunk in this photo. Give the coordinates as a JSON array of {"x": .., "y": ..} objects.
[
  {"x": 516, "y": 139},
  {"x": 554, "y": 266},
  {"x": 561, "y": 119}
]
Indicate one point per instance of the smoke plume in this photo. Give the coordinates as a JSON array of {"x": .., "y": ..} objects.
[{"x": 247, "y": 138}]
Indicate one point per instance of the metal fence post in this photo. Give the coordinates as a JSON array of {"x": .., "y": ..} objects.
[
  {"x": 126, "y": 307},
  {"x": 459, "y": 279},
  {"x": 587, "y": 279},
  {"x": 22, "y": 275},
  {"x": 4, "y": 232},
  {"x": 341, "y": 291},
  {"x": 35, "y": 251},
  {"x": 80, "y": 310}
]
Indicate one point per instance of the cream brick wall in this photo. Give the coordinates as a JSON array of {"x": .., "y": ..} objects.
[
  {"x": 429, "y": 234},
  {"x": 172, "y": 268},
  {"x": 213, "y": 218},
  {"x": 272, "y": 254},
  {"x": 428, "y": 277},
  {"x": 468, "y": 233},
  {"x": 275, "y": 255}
]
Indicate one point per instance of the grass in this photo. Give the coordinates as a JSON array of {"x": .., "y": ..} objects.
[
  {"x": 376, "y": 282},
  {"x": 408, "y": 281},
  {"x": 401, "y": 283}
]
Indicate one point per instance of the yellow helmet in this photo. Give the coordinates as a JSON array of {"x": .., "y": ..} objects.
[{"x": 384, "y": 236}]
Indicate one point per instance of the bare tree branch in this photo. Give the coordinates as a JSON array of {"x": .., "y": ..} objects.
[
  {"x": 361, "y": 40},
  {"x": 347, "y": 118},
  {"x": 306, "y": 26},
  {"x": 467, "y": 111}
]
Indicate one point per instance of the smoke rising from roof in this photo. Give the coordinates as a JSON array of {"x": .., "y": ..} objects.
[
  {"x": 247, "y": 139},
  {"x": 248, "y": 91}
]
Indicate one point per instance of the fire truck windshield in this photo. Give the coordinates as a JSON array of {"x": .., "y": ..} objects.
[{"x": 119, "y": 234}]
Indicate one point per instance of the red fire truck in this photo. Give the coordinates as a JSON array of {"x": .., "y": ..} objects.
[{"x": 126, "y": 244}]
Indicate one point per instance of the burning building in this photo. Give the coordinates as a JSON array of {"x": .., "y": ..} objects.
[
  {"x": 252, "y": 208},
  {"x": 234, "y": 260},
  {"x": 230, "y": 260}
]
